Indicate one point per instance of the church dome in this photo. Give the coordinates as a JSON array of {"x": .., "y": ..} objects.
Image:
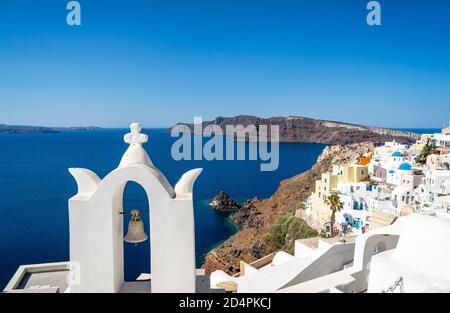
[
  {"x": 397, "y": 154},
  {"x": 405, "y": 167}
]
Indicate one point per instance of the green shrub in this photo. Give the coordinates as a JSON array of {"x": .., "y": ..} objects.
[
  {"x": 301, "y": 206},
  {"x": 286, "y": 230}
]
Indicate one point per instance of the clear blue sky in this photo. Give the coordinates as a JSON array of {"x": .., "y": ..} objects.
[{"x": 165, "y": 61}]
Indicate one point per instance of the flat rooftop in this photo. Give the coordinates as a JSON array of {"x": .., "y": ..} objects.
[
  {"x": 53, "y": 278},
  {"x": 49, "y": 277},
  {"x": 56, "y": 278},
  {"x": 314, "y": 242}
]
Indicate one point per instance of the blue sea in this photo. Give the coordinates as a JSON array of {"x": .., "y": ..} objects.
[{"x": 35, "y": 186}]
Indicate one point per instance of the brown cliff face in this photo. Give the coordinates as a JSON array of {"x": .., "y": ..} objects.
[
  {"x": 257, "y": 215},
  {"x": 302, "y": 129}
]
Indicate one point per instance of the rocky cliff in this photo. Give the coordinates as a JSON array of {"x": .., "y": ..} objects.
[
  {"x": 257, "y": 215},
  {"x": 222, "y": 202},
  {"x": 302, "y": 129}
]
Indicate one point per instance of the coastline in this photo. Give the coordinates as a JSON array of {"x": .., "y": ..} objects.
[
  {"x": 228, "y": 222},
  {"x": 250, "y": 242},
  {"x": 217, "y": 257}
]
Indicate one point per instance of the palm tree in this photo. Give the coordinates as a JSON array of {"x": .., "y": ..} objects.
[
  {"x": 336, "y": 205},
  {"x": 428, "y": 149}
]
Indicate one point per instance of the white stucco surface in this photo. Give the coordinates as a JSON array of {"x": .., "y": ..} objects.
[
  {"x": 286, "y": 270},
  {"x": 384, "y": 272},
  {"x": 425, "y": 245}
]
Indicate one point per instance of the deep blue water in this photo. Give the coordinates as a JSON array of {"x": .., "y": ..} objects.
[
  {"x": 35, "y": 187},
  {"x": 422, "y": 130}
]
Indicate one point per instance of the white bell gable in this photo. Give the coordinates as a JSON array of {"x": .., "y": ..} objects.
[{"x": 96, "y": 225}]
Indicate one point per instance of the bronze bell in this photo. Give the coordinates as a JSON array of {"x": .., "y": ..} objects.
[{"x": 136, "y": 232}]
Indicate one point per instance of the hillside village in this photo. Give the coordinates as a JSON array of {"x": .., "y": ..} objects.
[
  {"x": 381, "y": 219},
  {"x": 390, "y": 181}
]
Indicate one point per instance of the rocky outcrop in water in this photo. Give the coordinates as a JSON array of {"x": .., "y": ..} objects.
[{"x": 222, "y": 202}]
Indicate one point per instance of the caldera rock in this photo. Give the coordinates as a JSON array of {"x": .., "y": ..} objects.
[{"x": 223, "y": 202}]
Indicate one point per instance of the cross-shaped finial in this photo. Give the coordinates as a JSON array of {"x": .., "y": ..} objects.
[{"x": 135, "y": 137}]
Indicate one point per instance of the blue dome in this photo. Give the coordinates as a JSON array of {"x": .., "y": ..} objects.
[
  {"x": 391, "y": 171},
  {"x": 405, "y": 167},
  {"x": 397, "y": 154}
]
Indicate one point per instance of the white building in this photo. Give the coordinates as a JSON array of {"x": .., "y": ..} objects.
[
  {"x": 386, "y": 151},
  {"x": 411, "y": 255},
  {"x": 354, "y": 212},
  {"x": 427, "y": 192},
  {"x": 402, "y": 197},
  {"x": 382, "y": 205},
  {"x": 387, "y": 165},
  {"x": 396, "y": 175},
  {"x": 442, "y": 140},
  {"x": 438, "y": 162}
]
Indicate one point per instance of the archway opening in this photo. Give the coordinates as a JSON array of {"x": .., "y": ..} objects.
[{"x": 136, "y": 257}]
